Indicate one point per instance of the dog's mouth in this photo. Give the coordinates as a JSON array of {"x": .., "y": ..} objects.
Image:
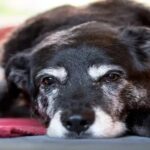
[{"x": 103, "y": 126}]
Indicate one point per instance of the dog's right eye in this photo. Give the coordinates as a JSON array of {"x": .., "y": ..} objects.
[{"x": 47, "y": 81}]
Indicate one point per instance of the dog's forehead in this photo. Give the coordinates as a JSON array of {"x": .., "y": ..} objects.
[
  {"x": 81, "y": 55},
  {"x": 72, "y": 58},
  {"x": 76, "y": 60},
  {"x": 83, "y": 45},
  {"x": 86, "y": 32}
]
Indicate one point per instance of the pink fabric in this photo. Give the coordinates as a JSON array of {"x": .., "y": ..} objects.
[
  {"x": 20, "y": 127},
  {"x": 4, "y": 32}
]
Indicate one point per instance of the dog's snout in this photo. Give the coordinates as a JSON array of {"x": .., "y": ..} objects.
[{"x": 78, "y": 123}]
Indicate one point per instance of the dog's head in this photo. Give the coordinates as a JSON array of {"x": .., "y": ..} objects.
[{"x": 84, "y": 80}]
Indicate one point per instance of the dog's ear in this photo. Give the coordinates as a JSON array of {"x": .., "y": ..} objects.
[
  {"x": 17, "y": 71},
  {"x": 26, "y": 35},
  {"x": 138, "y": 41},
  {"x": 23, "y": 38}
]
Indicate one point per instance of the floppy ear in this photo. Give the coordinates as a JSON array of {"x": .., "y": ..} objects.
[
  {"x": 138, "y": 41},
  {"x": 17, "y": 71},
  {"x": 26, "y": 35},
  {"x": 22, "y": 38}
]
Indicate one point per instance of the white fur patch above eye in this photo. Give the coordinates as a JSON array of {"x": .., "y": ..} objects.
[
  {"x": 104, "y": 126},
  {"x": 56, "y": 129},
  {"x": 58, "y": 72},
  {"x": 96, "y": 72}
]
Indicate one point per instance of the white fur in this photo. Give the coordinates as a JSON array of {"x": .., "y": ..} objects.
[
  {"x": 56, "y": 129},
  {"x": 114, "y": 95},
  {"x": 51, "y": 98},
  {"x": 98, "y": 71},
  {"x": 139, "y": 93},
  {"x": 59, "y": 38},
  {"x": 104, "y": 126},
  {"x": 50, "y": 109},
  {"x": 40, "y": 104},
  {"x": 58, "y": 72},
  {"x": 2, "y": 74}
]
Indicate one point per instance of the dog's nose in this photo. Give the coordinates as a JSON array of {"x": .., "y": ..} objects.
[{"x": 78, "y": 123}]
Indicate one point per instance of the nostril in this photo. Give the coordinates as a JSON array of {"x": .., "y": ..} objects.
[
  {"x": 84, "y": 123},
  {"x": 68, "y": 124}
]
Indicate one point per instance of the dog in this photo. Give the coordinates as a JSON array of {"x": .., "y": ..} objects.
[{"x": 85, "y": 71}]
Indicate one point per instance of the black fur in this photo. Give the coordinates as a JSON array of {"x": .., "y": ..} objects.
[{"x": 115, "y": 32}]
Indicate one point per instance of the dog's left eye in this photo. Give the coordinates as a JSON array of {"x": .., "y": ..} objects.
[{"x": 112, "y": 76}]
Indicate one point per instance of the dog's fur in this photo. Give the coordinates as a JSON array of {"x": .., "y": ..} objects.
[{"x": 88, "y": 65}]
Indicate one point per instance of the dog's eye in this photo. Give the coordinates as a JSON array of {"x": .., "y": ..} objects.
[
  {"x": 112, "y": 77},
  {"x": 47, "y": 81}
]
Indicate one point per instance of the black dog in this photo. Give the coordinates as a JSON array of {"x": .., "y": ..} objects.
[{"x": 85, "y": 70}]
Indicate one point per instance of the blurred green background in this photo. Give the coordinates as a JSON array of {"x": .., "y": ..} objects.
[{"x": 13, "y": 12}]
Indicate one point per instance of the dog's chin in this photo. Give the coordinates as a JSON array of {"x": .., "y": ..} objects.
[{"x": 72, "y": 135}]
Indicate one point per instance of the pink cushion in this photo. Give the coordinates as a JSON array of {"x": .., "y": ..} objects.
[{"x": 12, "y": 127}]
